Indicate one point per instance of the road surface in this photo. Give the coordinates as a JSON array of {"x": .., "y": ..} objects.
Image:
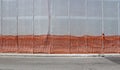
[{"x": 59, "y": 63}]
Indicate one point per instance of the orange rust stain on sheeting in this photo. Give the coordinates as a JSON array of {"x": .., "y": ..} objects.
[
  {"x": 59, "y": 44},
  {"x": 9, "y": 44},
  {"x": 0, "y": 43},
  {"x": 25, "y": 44}
]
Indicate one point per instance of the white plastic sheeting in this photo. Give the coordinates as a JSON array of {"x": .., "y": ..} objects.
[
  {"x": 9, "y": 8},
  {"x": 9, "y": 14},
  {"x": 110, "y": 9},
  {"x": 94, "y": 8},
  {"x": 40, "y": 26},
  {"x": 60, "y": 27},
  {"x": 65, "y": 17},
  {"x": 25, "y": 7},
  {"x": 111, "y": 27},
  {"x": 77, "y": 7},
  {"x": 25, "y": 26},
  {"x": 9, "y": 26},
  {"x": 93, "y": 27},
  {"x": 40, "y": 8},
  {"x": 80, "y": 27},
  {"x": 0, "y": 17},
  {"x": 59, "y": 7}
]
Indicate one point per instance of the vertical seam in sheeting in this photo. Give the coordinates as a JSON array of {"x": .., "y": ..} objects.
[
  {"x": 1, "y": 17},
  {"x": 69, "y": 29},
  {"x": 17, "y": 27},
  {"x": 33, "y": 27},
  {"x": 118, "y": 28},
  {"x": 49, "y": 18},
  {"x": 102, "y": 18},
  {"x": 51, "y": 7},
  {"x": 1, "y": 25},
  {"x": 86, "y": 23},
  {"x": 102, "y": 25}
]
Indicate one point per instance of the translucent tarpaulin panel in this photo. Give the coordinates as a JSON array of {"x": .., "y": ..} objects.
[
  {"x": 41, "y": 7},
  {"x": 40, "y": 26},
  {"x": 9, "y": 26},
  {"x": 9, "y": 8},
  {"x": 0, "y": 9},
  {"x": 94, "y": 39},
  {"x": 94, "y": 8},
  {"x": 25, "y": 26},
  {"x": 77, "y": 27},
  {"x": 60, "y": 39},
  {"x": 25, "y": 32},
  {"x": 119, "y": 27},
  {"x": 59, "y": 7},
  {"x": 111, "y": 39},
  {"x": 40, "y": 35},
  {"x": 94, "y": 27},
  {"x": 9, "y": 32},
  {"x": 112, "y": 0},
  {"x": 110, "y": 9},
  {"x": 110, "y": 27},
  {"x": 25, "y": 7},
  {"x": 60, "y": 27},
  {"x": 0, "y": 26},
  {"x": 0, "y": 30},
  {"x": 77, "y": 31},
  {"x": 77, "y": 7}
]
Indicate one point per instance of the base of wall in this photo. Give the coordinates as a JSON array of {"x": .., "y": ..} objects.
[
  {"x": 58, "y": 55},
  {"x": 60, "y": 44}
]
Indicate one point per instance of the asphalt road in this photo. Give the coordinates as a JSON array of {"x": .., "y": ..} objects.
[{"x": 59, "y": 63}]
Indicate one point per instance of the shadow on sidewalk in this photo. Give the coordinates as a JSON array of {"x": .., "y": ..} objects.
[{"x": 114, "y": 59}]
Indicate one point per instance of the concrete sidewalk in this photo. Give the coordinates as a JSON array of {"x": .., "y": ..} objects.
[
  {"x": 59, "y": 55},
  {"x": 59, "y": 63}
]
